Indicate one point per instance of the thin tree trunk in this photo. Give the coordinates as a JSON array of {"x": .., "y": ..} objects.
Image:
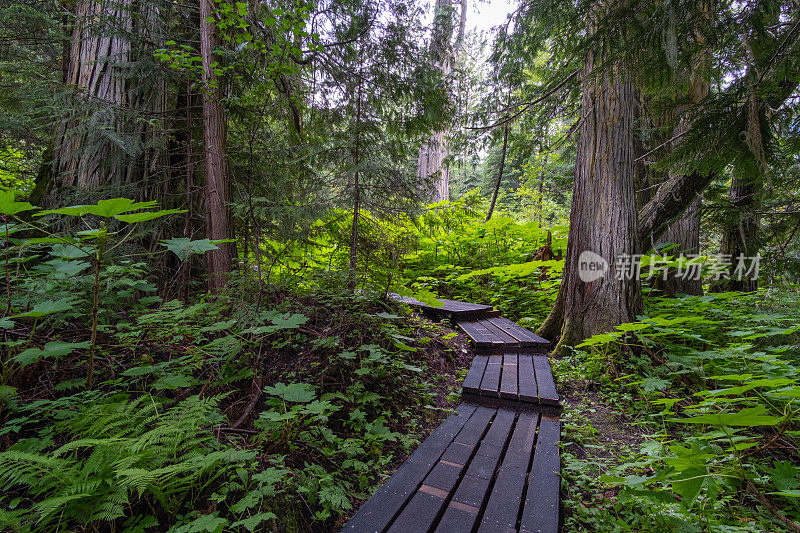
[
  {"x": 185, "y": 268},
  {"x": 219, "y": 225},
  {"x": 356, "y": 188},
  {"x": 433, "y": 152},
  {"x": 499, "y": 174},
  {"x": 740, "y": 238},
  {"x": 603, "y": 214},
  {"x": 540, "y": 200}
]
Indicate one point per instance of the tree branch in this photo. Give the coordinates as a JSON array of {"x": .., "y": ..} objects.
[{"x": 510, "y": 118}]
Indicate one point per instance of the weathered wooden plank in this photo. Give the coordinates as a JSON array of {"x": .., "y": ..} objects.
[
  {"x": 540, "y": 512},
  {"x": 472, "y": 491},
  {"x": 528, "y": 391},
  {"x": 524, "y": 336},
  {"x": 388, "y": 500},
  {"x": 473, "y": 430},
  {"x": 490, "y": 385},
  {"x": 499, "y": 430},
  {"x": 484, "y": 463},
  {"x": 472, "y": 382},
  {"x": 443, "y": 476},
  {"x": 420, "y": 513},
  {"x": 505, "y": 500},
  {"x": 508, "y": 380},
  {"x": 482, "y": 337},
  {"x": 544, "y": 380},
  {"x": 499, "y": 332},
  {"x": 458, "y": 453},
  {"x": 457, "y": 519},
  {"x": 452, "y": 308}
]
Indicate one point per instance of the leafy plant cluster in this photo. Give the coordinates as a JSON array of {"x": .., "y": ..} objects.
[
  {"x": 711, "y": 382},
  {"x": 121, "y": 410},
  {"x": 498, "y": 262}
]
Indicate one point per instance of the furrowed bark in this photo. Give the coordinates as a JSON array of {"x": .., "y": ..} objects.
[
  {"x": 603, "y": 213},
  {"x": 219, "y": 224}
]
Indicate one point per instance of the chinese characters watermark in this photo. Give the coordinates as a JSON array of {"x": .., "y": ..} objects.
[{"x": 592, "y": 266}]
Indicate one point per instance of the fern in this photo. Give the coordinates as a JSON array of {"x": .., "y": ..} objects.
[{"x": 123, "y": 450}]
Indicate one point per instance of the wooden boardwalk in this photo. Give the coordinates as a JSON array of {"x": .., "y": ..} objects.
[
  {"x": 492, "y": 466},
  {"x": 516, "y": 377},
  {"x": 451, "y": 309},
  {"x": 484, "y": 469},
  {"x": 493, "y": 335}
]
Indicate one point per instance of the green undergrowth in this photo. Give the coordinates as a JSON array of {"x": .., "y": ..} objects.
[
  {"x": 123, "y": 411},
  {"x": 447, "y": 251},
  {"x": 502, "y": 262},
  {"x": 688, "y": 419}
]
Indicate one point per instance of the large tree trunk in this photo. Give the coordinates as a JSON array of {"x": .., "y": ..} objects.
[
  {"x": 106, "y": 137},
  {"x": 603, "y": 214},
  {"x": 685, "y": 229},
  {"x": 431, "y": 165},
  {"x": 219, "y": 224},
  {"x": 685, "y": 233},
  {"x": 740, "y": 239},
  {"x": 100, "y": 46}
]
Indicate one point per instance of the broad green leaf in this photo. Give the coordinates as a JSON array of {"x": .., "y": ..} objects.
[
  {"x": 51, "y": 349},
  {"x": 737, "y": 391},
  {"x": 183, "y": 247},
  {"x": 785, "y": 475},
  {"x": 787, "y": 493},
  {"x": 632, "y": 326},
  {"x": 63, "y": 268},
  {"x": 652, "y": 495},
  {"x": 387, "y": 315},
  {"x": 103, "y": 208},
  {"x": 95, "y": 233},
  {"x": 691, "y": 457},
  {"x": 667, "y": 403},
  {"x": 68, "y": 251},
  {"x": 751, "y": 416},
  {"x": 651, "y": 384},
  {"x": 318, "y": 407},
  {"x": 46, "y": 308},
  {"x": 294, "y": 392},
  {"x": 733, "y": 377},
  {"x": 793, "y": 392},
  {"x": 8, "y": 206},
  {"x": 149, "y": 215},
  {"x": 250, "y": 524},
  {"x": 602, "y": 338},
  {"x": 689, "y": 483},
  {"x": 48, "y": 240},
  {"x": 275, "y": 416},
  {"x": 290, "y": 321},
  {"x": 209, "y": 523},
  {"x": 174, "y": 381}
]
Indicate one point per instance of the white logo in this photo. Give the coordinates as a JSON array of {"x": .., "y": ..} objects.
[{"x": 591, "y": 266}]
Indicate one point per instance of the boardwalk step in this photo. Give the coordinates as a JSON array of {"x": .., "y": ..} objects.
[
  {"x": 493, "y": 469},
  {"x": 500, "y": 335},
  {"x": 452, "y": 309},
  {"x": 523, "y": 378}
]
